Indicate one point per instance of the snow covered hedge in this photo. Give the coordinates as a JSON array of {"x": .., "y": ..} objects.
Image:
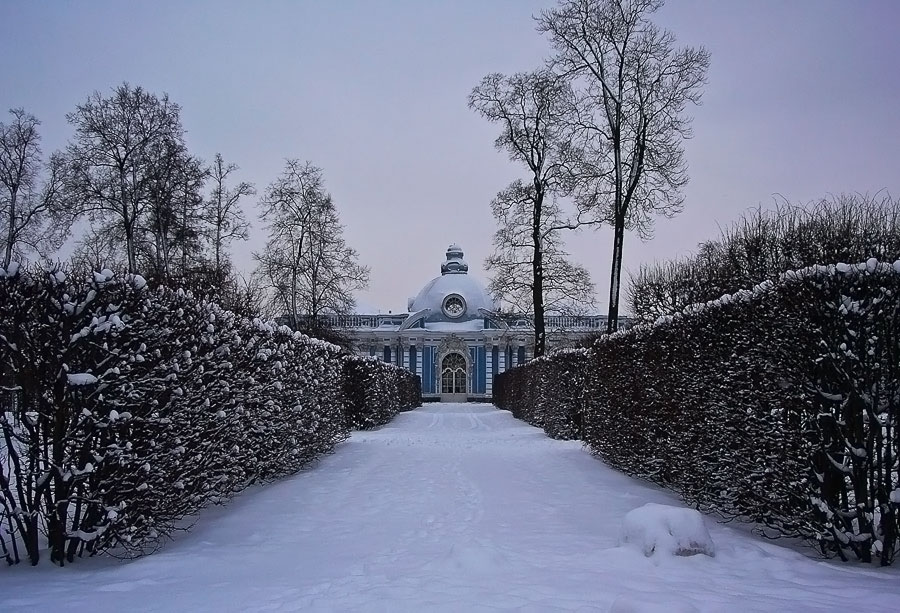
[
  {"x": 136, "y": 407},
  {"x": 776, "y": 405},
  {"x": 548, "y": 393},
  {"x": 374, "y": 391}
]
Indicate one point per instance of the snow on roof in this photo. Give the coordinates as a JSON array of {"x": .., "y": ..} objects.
[{"x": 454, "y": 279}]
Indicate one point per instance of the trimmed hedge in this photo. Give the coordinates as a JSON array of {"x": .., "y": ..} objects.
[
  {"x": 776, "y": 405},
  {"x": 375, "y": 391},
  {"x": 137, "y": 407},
  {"x": 548, "y": 393}
]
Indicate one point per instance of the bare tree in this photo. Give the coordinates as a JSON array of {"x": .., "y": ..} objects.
[
  {"x": 114, "y": 158},
  {"x": 633, "y": 85},
  {"x": 566, "y": 287},
  {"x": 331, "y": 271},
  {"x": 306, "y": 262},
  {"x": 99, "y": 248},
  {"x": 289, "y": 205},
  {"x": 531, "y": 110},
  {"x": 170, "y": 242},
  {"x": 249, "y": 297},
  {"x": 223, "y": 215},
  {"x": 31, "y": 212}
]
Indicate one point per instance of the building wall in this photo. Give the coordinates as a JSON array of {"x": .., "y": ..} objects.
[
  {"x": 485, "y": 355},
  {"x": 489, "y": 352}
]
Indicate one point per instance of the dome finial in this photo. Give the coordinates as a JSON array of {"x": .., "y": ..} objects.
[{"x": 455, "y": 263}]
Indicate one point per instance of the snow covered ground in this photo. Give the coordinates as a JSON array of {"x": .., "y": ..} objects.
[{"x": 448, "y": 508}]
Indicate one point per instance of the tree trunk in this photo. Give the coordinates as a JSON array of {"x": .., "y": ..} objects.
[
  {"x": 30, "y": 537},
  {"x": 58, "y": 513},
  {"x": 11, "y": 231},
  {"x": 184, "y": 224},
  {"x": 612, "y": 323},
  {"x": 129, "y": 248},
  {"x": 294, "y": 299},
  {"x": 537, "y": 269},
  {"x": 219, "y": 242},
  {"x": 127, "y": 222}
]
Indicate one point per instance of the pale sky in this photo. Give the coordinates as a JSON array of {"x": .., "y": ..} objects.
[{"x": 803, "y": 100}]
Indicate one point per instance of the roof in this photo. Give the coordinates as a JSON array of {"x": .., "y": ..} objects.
[{"x": 454, "y": 281}]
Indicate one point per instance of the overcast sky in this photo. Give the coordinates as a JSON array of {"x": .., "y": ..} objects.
[{"x": 803, "y": 100}]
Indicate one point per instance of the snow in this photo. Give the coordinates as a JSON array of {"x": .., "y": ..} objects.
[
  {"x": 667, "y": 530},
  {"x": 11, "y": 270},
  {"x": 449, "y": 508},
  {"x": 104, "y": 276},
  {"x": 628, "y": 604},
  {"x": 432, "y": 295},
  {"x": 139, "y": 283},
  {"x": 81, "y": 378}
]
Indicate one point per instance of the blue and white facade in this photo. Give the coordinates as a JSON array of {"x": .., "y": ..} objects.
[{"x": 452, "y": 337}]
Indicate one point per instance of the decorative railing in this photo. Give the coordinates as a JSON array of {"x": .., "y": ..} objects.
[{"x": 552, "y": 322}]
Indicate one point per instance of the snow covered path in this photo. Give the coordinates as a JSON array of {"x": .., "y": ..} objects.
[{"x": 448, "y": 508}]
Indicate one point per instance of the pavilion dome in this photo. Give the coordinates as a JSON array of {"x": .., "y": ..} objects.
[{"x": 454, "y": 296}]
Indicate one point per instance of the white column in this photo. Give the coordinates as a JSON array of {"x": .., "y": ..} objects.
[{"x": 489, "y": 369}]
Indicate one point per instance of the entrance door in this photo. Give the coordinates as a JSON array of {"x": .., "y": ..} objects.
[{"x": 453, "y": 378}]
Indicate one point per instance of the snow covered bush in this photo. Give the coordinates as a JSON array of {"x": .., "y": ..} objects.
[
  {"x": 135, "y": 407},
  {"x": 775, "y": 405},
  {"x": 374, "y": 392}
]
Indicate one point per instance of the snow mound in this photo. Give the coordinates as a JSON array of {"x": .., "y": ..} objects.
[{"x": 658, "y": 528}]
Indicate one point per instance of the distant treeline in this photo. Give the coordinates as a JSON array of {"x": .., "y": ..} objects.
[
  {"x": 764, "y": 244},
  {"x": 149, "y": 205}
]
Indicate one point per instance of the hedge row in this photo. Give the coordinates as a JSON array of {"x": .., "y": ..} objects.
[
  {"x": 547, "y": 392},
  {"x": 776, "y": 405},
  {"x": 375, "y": 391},
  {"x": 135, "y": 407}
]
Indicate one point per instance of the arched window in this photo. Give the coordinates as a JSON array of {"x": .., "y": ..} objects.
[{"x": 453, "y": 374}]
